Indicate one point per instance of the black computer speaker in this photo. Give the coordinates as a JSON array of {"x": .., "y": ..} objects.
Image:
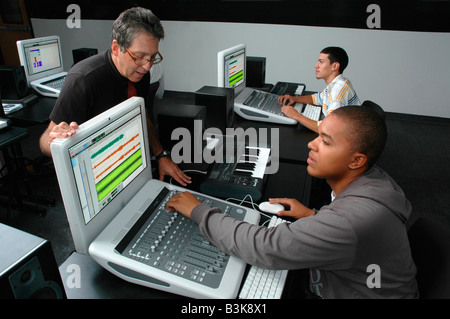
[
  {"x": 256, "y": 72},
  {"x": 219, "y": 103},
  {"x": 82, "y": 53},
  {"x": 13, "y": 82},
  {"x": 187, "y": 143},
  {"x": 28, "y": 268}
]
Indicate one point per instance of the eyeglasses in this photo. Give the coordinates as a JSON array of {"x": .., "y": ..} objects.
[{"x": 155, "y": 59}]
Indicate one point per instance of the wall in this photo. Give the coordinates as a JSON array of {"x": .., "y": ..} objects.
[{"x": 405, "y": 72}]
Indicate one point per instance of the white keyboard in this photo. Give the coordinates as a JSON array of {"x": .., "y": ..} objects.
[
  {"x": 311, "y": 111},
  {"x": 263, "y": 283}
]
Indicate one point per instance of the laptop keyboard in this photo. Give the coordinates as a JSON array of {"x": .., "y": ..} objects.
[
  {"x": 173, "y": 243},
  {"x": 265, "y": 102},
  {"x": 57, "y": 84},
  {"x": 269, "y": 103}
]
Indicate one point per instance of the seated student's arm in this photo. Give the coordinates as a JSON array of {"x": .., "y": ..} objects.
[
  {"x": 288, "y": 110},
  {"x": 293, "y": 114},
  {"x": 289, "y": 99},
  {"x": 183, "y": 202},
  {"x": 61, "y": 130},
  {"x": 296, "y": 209},
  {"x": 296, "y": 245}
]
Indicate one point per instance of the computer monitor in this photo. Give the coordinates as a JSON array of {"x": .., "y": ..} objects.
[
  {"x": 101, "y": 167},
  {"x": 40, "y": 57},
  {"x": 231, "y": 68}
]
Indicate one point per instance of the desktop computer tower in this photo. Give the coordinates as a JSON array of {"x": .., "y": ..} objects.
[
  {"x": 28, "y": 268},
  {"x": 189, "y": 120},
  {"x": 82, "y": 53},
  {"x": 256, "y": 72},
  {"x": 219, "y": 103},
  {"x": 13, "y": 82}
]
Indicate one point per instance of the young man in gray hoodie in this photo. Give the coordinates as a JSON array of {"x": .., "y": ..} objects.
[{"x": 355, "y": 247}]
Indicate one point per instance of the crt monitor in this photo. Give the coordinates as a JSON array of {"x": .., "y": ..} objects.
[
  {"x": 101, "y": 167},
  {"x": 231, "y": 68},
  {"x": 40, "y": 57}
]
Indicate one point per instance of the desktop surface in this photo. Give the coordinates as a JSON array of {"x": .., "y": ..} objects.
[
  {"x": 11, "y": 135},
  {"x": 293, "y": 139},
  {"x": 35, "y": 113},
  {"x": 291, "y": 180},
  {"x": 84, "y": 278}
]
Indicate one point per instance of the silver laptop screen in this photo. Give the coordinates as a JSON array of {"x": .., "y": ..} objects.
[
  {"x": 231, "y": 68},
  {"x": 42, "y": 56},
  {"x": 235, "y": 68},
  {"x": 106, "y": 162}
]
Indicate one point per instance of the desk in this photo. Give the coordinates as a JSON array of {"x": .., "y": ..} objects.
[
  {"x": 36, "y": 113},
  {"x": 97, "y": 283},
  {"x": 10, "y": 139},
  {"x": 33, "y": 114},
  {"x": 12, "y": 135},
  {"x": 294, "y": 139},
  {"x": 291, "y": 180}
]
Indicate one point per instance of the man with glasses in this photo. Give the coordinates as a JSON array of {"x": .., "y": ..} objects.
[{"x": 102, "y": 81}]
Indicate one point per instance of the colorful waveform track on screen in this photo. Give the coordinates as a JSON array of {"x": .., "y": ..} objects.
[
  {"x": 235, "y": 72},
  {"x": 115, "y": 161},
  {"x": 116, "y": 177}
]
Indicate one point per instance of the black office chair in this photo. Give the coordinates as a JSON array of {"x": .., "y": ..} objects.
[
  {"x": 374, "y": 106},
  {"x": 430, "y": 248}
]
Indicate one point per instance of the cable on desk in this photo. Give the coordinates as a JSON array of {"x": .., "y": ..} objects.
[{"x": 251, "y": 202}]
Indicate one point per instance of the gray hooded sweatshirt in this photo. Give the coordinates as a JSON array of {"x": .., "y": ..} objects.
[{"x": 355, "y": 247}]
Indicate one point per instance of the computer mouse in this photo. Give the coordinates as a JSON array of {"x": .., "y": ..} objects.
[{"x": 270, "y": 208}]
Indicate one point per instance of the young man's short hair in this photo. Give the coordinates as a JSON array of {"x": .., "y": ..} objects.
[
  {"x": 366, "y": 130},
  {"x": 337, "y": 54}
]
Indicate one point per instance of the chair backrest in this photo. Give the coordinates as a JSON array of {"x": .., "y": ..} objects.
[
  {"x": 375, "y": 107},
  {"x": 430, "y": 248}
]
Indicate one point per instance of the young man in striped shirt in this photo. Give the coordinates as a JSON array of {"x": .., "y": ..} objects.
[{"x": 339, "y": 91}]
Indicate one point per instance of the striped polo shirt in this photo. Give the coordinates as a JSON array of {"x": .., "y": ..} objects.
[{"x": 338, "y": 93}]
